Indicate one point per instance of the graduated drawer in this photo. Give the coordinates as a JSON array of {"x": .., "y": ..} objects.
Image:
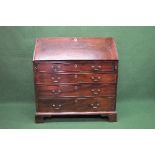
[
  {"x": 83, "y": 66},
  {"x": 78, "y": 90},
  {"x": 44, "y": 78},
  {"x": 76, "y": 105}
]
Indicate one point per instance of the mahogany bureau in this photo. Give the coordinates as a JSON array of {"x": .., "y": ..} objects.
[{"x": 75, "y": 76}]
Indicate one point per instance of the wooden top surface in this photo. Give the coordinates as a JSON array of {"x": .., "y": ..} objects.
[{"x": 75, "y": 48}]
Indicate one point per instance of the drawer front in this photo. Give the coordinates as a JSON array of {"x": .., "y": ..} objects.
[
  {"x": 75, "y": 67},
  {"x": 76, "y": 105},
  {"x": 42, "y": 78},
  {"x": 81, "y": 90}
]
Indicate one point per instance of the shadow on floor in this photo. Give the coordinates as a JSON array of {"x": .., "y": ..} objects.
[{"x": 75, "y": 118}]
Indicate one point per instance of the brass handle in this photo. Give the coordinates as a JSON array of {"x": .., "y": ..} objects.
[
  {"x": 56, "y": 68},
  {"x": 55, "y": 79},
  {"x": 96, "y": 79},
  {"x": 94, "y": 105},
  {"x": 96, "y": 91},
  {"x": 96, "y": 68},
  {"x": 76, "y": 101},
  {"x": 56, "y": 106},
  {"x": 56, "y": 92},
  {"x": 35, "y": 68}
]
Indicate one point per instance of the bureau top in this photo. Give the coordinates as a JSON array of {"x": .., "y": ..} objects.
[{"x": 75, "y": 48}]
